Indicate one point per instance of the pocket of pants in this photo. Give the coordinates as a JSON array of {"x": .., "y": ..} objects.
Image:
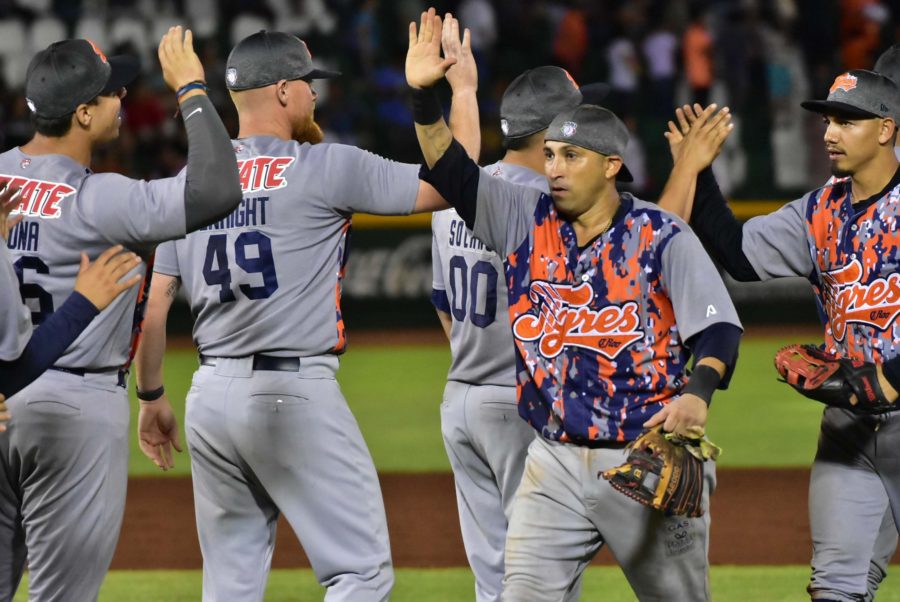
[
  {"x": 56, "y": 407},
  {"x": 278, "y": 402}
]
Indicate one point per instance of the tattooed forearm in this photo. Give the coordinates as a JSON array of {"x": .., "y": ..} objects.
[
  {"x": 434, "y": 140},
  {"x": 172, "y": 289}
]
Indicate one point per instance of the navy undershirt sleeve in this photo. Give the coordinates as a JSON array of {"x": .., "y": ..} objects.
[
  {"x": 47, "y": 344},
  {"x": 719, "y": 230},
  {"x": 455, "y": 176},
  {"x": 721, "y": 341}
]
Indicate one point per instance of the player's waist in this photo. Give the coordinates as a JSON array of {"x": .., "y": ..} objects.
[
  {"x": 120, "y": 374},
  {"x": 321, "y": 366}
]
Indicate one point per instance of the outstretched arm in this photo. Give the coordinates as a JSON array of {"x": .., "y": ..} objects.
[{"x": 463, "y": 80}]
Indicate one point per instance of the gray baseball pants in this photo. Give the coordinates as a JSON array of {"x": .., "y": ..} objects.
[
  {"x": 63, "y": 475},
  {"x": 564, "y": 512},
  {"x": 855, "y": 479},
  {"x": 268, "y": 442}
]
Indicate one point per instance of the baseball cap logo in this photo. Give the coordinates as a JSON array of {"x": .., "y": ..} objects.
[
  {"x": 845, "y": 82},
  {"x": 31, "y": 106},
  {"x": 97, "y": 51},
  {"x": 568, "y": 129},
  {"x": 231, "y": 76},
  {"x": 504, "y": 126}
]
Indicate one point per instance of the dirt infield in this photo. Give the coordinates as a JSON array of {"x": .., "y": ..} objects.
[{"x": 759, "y": 517}]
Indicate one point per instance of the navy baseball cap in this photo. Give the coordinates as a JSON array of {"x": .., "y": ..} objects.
[
  {"x": 535, "y": 97},
  {"x": 267, "y": 57},
  {"x": 861, "y": 94},
  {"x": 594, "y": 128},
  {"x": 72, "y": 72}
]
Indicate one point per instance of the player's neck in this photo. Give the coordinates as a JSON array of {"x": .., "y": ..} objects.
[
  {"x": 874, "y": 176},
  {"x": 76, "y": 147},
  {"x": 532, "y": 158},
  {"x": 255, "y": 124},
  {"x": 596, "y": 220}
]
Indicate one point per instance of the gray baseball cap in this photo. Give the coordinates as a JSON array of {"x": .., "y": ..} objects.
[
  {"x": 535, "y": 97},
  {"x": 73, "y": 72},
  {"x": 861, "y": 94},
  {"x": 888, "y": 64},
  {"x": 267, "y": 57},
  {"x": 594, "y": 128}
]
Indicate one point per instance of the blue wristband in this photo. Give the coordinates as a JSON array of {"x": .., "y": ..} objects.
[{"x": 194, "y": 85}]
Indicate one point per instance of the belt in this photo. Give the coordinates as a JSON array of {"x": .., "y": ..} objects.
[
  {"x": 263, "y": 362},
  {"x": 604, "y": 444},
  {"x": 122, "y": 375}
]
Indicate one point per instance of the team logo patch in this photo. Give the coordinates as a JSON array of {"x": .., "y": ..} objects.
[
  {"x": 25, "y": 163},
  {"x": 231, "y": 76},
  {"x": 845, "y": 82},
  {"x": 875, "y": 304},
  {"x": 31, "y": 106},
  {"x": 504, "y": 126},
  {"x": 564, "y": 318},
  {"x": 568, "y": 129}
]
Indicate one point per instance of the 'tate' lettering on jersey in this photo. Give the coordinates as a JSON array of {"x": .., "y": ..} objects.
[
  {"x": 848, "y": 300},
  {"x": 263, "y": 173},
  {"x": 564, "y": 318},
  {"x": 37, "y": 198}
]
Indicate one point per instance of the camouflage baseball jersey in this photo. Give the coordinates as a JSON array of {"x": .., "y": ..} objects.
[
  {"x": 68, "y": 209},
  {"x": 267, "y": 279},
  {"x": 850, "y": 254},
  {"x": 599, "y": 331},
  {"x": 481, "y": 344},
  {"x": 14, "y": 319}
]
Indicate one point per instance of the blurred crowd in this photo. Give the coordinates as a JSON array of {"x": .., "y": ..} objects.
[{"x": 760, "y": 57}]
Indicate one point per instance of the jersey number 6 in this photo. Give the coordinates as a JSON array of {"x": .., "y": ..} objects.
[{"x": 217, "y": 271}]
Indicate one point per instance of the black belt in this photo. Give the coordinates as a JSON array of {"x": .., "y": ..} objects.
[
  {"x": 604, "y": 444},
  {"x": 262, "y": 362},
  {"x": 122, "y": 375}
]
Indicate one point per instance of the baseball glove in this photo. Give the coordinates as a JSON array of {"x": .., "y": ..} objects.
[
  {"x": 834, "y": 381},
  {"x": 665, "y": 471}
]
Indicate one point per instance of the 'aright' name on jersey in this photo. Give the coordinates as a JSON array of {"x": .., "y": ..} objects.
[
  {"x": 251, "y": 212},
  {"x": 462, "y": 237}
]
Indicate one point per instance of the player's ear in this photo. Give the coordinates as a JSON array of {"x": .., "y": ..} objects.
[
  {"x": 83, "y": 115},
  {"x": 888, "y": 132},
  {"x": 281, "y": 92},
  {"x": 613, "y": 165}
]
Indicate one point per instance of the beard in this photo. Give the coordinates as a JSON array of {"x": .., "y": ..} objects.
[
  {"x": 837, "y": 172},
  {"x": 309, "y": 132}
]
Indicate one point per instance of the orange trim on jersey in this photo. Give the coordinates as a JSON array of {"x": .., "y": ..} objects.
[{"x": 341, "y": 344}]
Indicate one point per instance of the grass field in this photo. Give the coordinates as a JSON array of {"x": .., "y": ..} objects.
[
  {"x": 395, "y": 393},
  {"x": 602, "y": 584}
]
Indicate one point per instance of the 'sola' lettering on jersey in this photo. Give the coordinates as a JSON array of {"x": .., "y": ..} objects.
[
  {"x": 263, "y": 173},
  {"x": 564, "y": 318},
  {"x": 847, "y": 300},
  {"x": 37, "y": 198}
]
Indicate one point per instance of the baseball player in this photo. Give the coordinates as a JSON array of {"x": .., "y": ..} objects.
[
  {"x": 843, "y": 238},
  {"x": 63, "y": 460},
  {"x": 268, "y": 428},
  {"x": 606, "y": 306},
  {"x": 485, "y": 440}
]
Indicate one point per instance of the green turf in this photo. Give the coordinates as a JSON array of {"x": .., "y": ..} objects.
[
  {"x": 729, "y": 584},
  {"x": 395, "y": 393}
]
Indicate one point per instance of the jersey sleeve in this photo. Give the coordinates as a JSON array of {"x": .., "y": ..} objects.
[
  {"x": 358, "y": 181},
  {"x": 166, "y": 261},
  {"x": 438, "y": 287},
  {"x": 136, "y": 213},
  {"x": 504, "y": 213},
  {"x": 695, "y": 288},
  {"x": 776, "y": 244},
  {"x": 15, "y": 320}
]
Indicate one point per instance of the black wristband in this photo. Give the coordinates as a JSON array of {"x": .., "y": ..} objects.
[
  {"x": 703, "y": 383},
  {"x": 426, "y": 107},
  {"x": 151, "y": 395}
]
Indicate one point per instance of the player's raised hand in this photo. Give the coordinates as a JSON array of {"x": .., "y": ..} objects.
[
  {"x": 464, "y": 73},
  {"x": 699, "y": 134},
  {"x": 8, "y": 202},
  {"x": 158, "y": 432},
  {"x": 424, "y": 65},
  {"x": 180, "y": 64},
  {"x": 685, "y": 415},
  {"x": 101, "y": 281}
]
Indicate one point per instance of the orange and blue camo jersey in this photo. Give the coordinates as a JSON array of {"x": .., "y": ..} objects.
[
  {"x": 600, "y": 331},
  {"x": 856, "y": 276}
]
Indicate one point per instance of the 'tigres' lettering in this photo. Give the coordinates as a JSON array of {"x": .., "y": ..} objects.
[
  {"x": 263, "y": 173},
  {"x": 37, "y": 198},
  {"x": 251, "y": 212},
  {"x": 848, "y": 300}
]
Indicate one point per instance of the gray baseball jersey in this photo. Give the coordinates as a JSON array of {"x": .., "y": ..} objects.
[
  {"x": 271, "y": 271},
  {"x": 68, "y": 210},
  {"x": 14, "y": 319},
  {"x": 468, "y": 283}
]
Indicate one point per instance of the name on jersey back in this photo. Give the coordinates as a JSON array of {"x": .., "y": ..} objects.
[{"x": 461, "y": 237}]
